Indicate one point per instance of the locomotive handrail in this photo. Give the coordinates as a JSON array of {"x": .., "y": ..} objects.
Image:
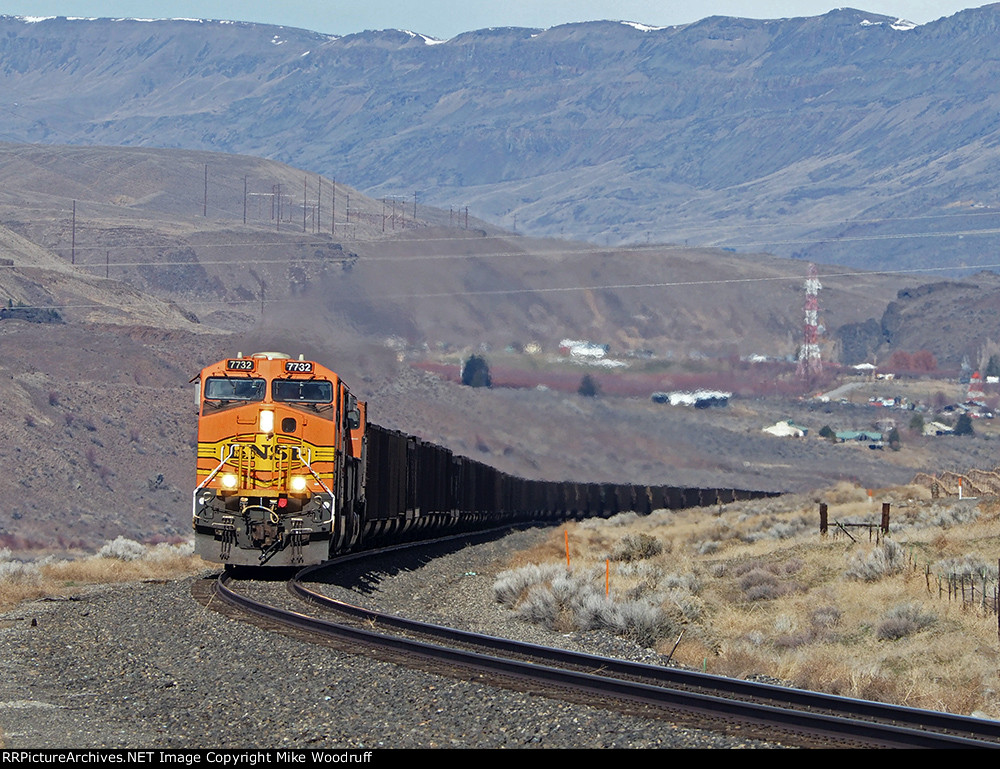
[
  {"x": 325, "y": 488},
  {"x": 208, "y": 478},
  {"x": 215, "y": 472}
]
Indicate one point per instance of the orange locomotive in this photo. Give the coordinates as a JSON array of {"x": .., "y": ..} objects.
[
  {"x": 280, "y": 476},
  {"x": 291, "y": 472}
]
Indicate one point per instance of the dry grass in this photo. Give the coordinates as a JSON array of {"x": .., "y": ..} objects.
[
  {"x": 119, "y": 561},
  {"x": 759, "y": 591}
]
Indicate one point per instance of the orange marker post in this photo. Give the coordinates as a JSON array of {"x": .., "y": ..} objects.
[{"x": 566, "y": 531}]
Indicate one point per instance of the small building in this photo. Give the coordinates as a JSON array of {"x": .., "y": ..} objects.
[
  {"x": 937, "y": 428},
  {"x": 700, "y": 399},
  {"x": 872, "y": 437},
  {"x": 786, "y": 429},
  {"x": 582, "y": 348}
]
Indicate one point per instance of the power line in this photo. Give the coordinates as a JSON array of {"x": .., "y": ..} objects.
[{"x": 554, "y": 289}]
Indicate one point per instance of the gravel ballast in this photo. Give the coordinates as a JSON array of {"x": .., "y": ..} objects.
[{"x": 143, "y": 665}]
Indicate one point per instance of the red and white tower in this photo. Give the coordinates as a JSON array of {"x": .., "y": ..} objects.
[
  {"x": 810, "y": 363},
  {"x": 975, "y": 388}
]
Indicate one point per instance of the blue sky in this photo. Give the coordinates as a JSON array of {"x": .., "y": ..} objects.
[{"x": 447, "y": 18}]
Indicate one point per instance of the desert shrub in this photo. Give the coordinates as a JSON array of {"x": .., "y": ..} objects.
[
  {"x": 636, "y": 547},
  {"x": 554, "y": 598},
  {"x": 165, "y": 551},
  {"x": 788, "y": 635},
  {"x": 640, "y": 621},
  {"x": 511, "y": 586},
  {"x": 761, "y": 585},
  {"x": 944, "y": 515},
  {"x": 902, "y": 620},
  {"x": 968, "y": 566},
  {"x": 884, "y": 560},
  {"x": 689, "y": 582},
  {"x": 595, "y": 612},
  {"x": 758, "y": 576},
  {"x": 761, "y": 581},
  {"x": 791, "y": 566},
  {"x": 766, "y": 591},
  {"x": 644, "y": 571},
  {"x": 19, "y": 573},
  {"x": 122, "y": 549},
  {"x": 825, "y": 617},
  {"x": 539, "y": 607},
  {"x": 621, "y": 519},
  {"x": 686, "y": 606},
  {"x": 778, "y": 529}
]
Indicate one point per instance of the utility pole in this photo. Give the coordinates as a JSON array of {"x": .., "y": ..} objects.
[
  {"x": 319, "y": 203},
  {"x": 244, "y": 200},
  {"x": 305, "y": 193},
  {"x": 72, "y": 253},
  {"x": 204, "y": 205}
]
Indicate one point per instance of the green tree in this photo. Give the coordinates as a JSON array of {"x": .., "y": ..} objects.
[
  {"x": 917, "y": 424},
  {"x": 893, "y": 440},
  {"x": 827, "y": 432},
  {"x": 476, "y": 372},
  {"x": 964, "y": 425},
  {"x": 589, "y": 387}
]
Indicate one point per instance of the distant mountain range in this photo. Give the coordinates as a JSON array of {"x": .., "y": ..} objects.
[{"x": 847, "y": 138}]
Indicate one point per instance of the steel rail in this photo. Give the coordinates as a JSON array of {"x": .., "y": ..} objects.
[
  {"x": 708, "y": 706},
  {"x": 780, "y": 696}
]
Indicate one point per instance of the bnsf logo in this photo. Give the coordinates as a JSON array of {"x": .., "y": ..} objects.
[{"x": 264, "y": 452}]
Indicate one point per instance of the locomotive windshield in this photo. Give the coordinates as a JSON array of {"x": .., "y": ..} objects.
[
  {"x": 302, "y": 391},
  {"x": 234, "y": 389}
]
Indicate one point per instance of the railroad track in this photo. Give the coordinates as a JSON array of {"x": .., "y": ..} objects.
[{"x": 792, "y": 716}]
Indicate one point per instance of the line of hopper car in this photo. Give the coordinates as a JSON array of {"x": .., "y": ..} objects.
[{"x": 290, "y": 472}]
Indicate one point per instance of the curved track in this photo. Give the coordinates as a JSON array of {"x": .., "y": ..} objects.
[{"x": 768, "y": 712}]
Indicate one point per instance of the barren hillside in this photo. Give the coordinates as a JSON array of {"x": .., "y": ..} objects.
[{"x": 99, "y": 416}]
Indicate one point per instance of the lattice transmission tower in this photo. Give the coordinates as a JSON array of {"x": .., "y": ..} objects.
[{"x": 810, "y": 362}]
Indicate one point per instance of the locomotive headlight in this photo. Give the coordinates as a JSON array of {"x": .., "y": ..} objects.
[
  {"x": 267, "y": 421},
  {"x": 297, "y": 483},
  {"x": 229, "y": 481}
]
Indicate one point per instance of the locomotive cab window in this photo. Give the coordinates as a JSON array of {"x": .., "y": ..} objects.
[
  {"x": 314, "y": 394},
  {"x": 221, "y": 392}
]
